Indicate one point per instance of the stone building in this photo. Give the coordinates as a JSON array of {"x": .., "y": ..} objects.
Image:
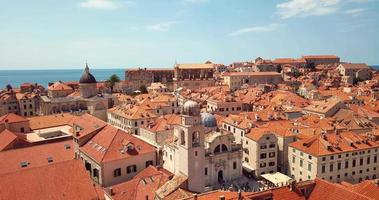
[
  {"x": 236, "y": 79},
  {"x": 145, "y": 77},
  {"x": 352, "y": 72},
  {"x": 113, "y": 156},
  {"x": 335, "y": 157},
  {"x": 86, "y": 100},
  {"x": 194, "y": 76},
  {"x": 314, "y": 60},
  {"x": 260, "y": 152},
  {"x": 206, "y": 159}
]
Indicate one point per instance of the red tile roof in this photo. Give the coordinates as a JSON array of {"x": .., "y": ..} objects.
[
  {"x": 142, "y": 186},
  {"x": 9, "y": 140},
  {"x": 88, "y": 124},
  {"x": 109, "y": 144},
  {"x": 65, "y": 180},
  {"x": 332, "y": 143},
  {"x": 48, "y": 121},
  {"x": 12, "y": 118},
  {"x": 35, "y": 156}
]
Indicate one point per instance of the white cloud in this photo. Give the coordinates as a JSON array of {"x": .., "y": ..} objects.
[
  {"x": 267, "y": 28},
  {"x": 360, "y": 1},
  {"x": 162, "y": 26},
  {"x": 195, "y": 1},
  {"x": 354, "y": 12},
  {"x": 105, "y": 4},
  {"x": 295, "y": 8}
]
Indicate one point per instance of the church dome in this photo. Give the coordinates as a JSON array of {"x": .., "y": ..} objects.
[
  {"x": 208, "y": 120},
  {"x": 191, "y": 108},
  {"x": 87, "y": 77}
]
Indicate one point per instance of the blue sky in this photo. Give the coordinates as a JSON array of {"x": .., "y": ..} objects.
[{"x": 151, "y": 33}]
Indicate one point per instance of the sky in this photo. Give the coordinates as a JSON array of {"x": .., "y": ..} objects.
[{"x": 53, "y": 34}]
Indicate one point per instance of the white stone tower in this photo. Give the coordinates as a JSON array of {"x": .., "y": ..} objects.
[{"x": 190, "y": 157}]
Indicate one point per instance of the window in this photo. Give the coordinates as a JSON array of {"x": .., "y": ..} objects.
[
  {"x": 182, "y": 138},
  {"x": 346, "y": 164},
  {"x": 368, "y": 160},
  {"x": 271, "y": 154},
  {"x": 361, "y": 161},
  {"x": 234, "y": 165},
  {"x": 323, "y": 169},
  {"x": 262, "y": 164},
  {"x": 301, "y": 162},
  {"x": 272, "y": 145},
  {"x": 263, "y": 155},
  {"x": 331, "y": 157},
  {"x": 338, "y": 166},
  {"x": 354, "y": 163},
  {"x": 323, "y": 158},
  {"x": 375, "y": 159},
  {"x": 206, "y": 171},
  {"x": 149, "y": 162},
  {"x": 131, "y": 169},
  {"x": 22, "y": 130},
  {"x": 263, "y": 146},
  {"x": 310, "y": 157},
  {"x": 331, "y": 167},
  {"x": 293, "y": 159},
  {"x": 353, "y": 173},
  {"x": 117, "y": 172},
  {"x": 271, "y": 164},
  {"x": 309, "y": 166}
]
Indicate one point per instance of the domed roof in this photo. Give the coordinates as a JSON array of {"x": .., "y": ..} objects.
[
  {"x": 208, "y": 120},
  {"x": 191, "y": 108},
  {"x": 87, "y": 77}
]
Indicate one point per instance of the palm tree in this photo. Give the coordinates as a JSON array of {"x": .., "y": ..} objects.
[{"x": 112, "y": 81}]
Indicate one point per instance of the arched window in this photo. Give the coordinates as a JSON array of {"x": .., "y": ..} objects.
[
  {"x": 195, "y": 138},
  {"x": 220, "y": 148},
  {"x": 224, "y": 148},
  {"x": 182, "y": 138}
]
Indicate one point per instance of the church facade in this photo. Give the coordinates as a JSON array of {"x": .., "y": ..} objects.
[
  {"x": 87, "y": 99},
  {"x": 206, "y": 159}
]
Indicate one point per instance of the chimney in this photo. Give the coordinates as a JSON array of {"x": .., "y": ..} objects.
[
  {"x": 6, "y": 124},
  {"x": 222, "y": 197},
  {"x": 292, "y": 185},
  {"x": 194, "y": 196}
]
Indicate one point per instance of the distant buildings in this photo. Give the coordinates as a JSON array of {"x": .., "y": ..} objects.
[
  {"x": 62, "y": 98},
  {"x": 236, "y": 79},
  {"x": 334, "y": 157},
  {"x": 354, "y": 72},
  {"x": 314, "y": 60}
]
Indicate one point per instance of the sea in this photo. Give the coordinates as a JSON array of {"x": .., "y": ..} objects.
[{"x": 44, "y": 77}]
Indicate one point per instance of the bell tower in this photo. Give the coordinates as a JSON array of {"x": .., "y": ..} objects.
[{"x": 190, "y": 134}]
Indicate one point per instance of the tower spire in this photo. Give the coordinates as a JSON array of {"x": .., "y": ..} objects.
[{"x": 87, "y": 68}]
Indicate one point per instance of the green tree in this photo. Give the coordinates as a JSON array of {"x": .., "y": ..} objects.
[
  {"x": 112, "y": 80},
  {"x": 9, "y": 87},
  {"x": 143, "y": 89}
]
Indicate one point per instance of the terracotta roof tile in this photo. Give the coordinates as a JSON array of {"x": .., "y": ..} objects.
[
  {"x": 35, "y": 156},
  {"x": 65, "y": 180},
  {"x": 107, "y": 145}
]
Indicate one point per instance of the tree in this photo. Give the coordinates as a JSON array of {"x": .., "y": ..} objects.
[
  {"x": 143, "y": 89},
  {"x": 112, "y": 81},
  {"x": 9, "y": 87}
]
